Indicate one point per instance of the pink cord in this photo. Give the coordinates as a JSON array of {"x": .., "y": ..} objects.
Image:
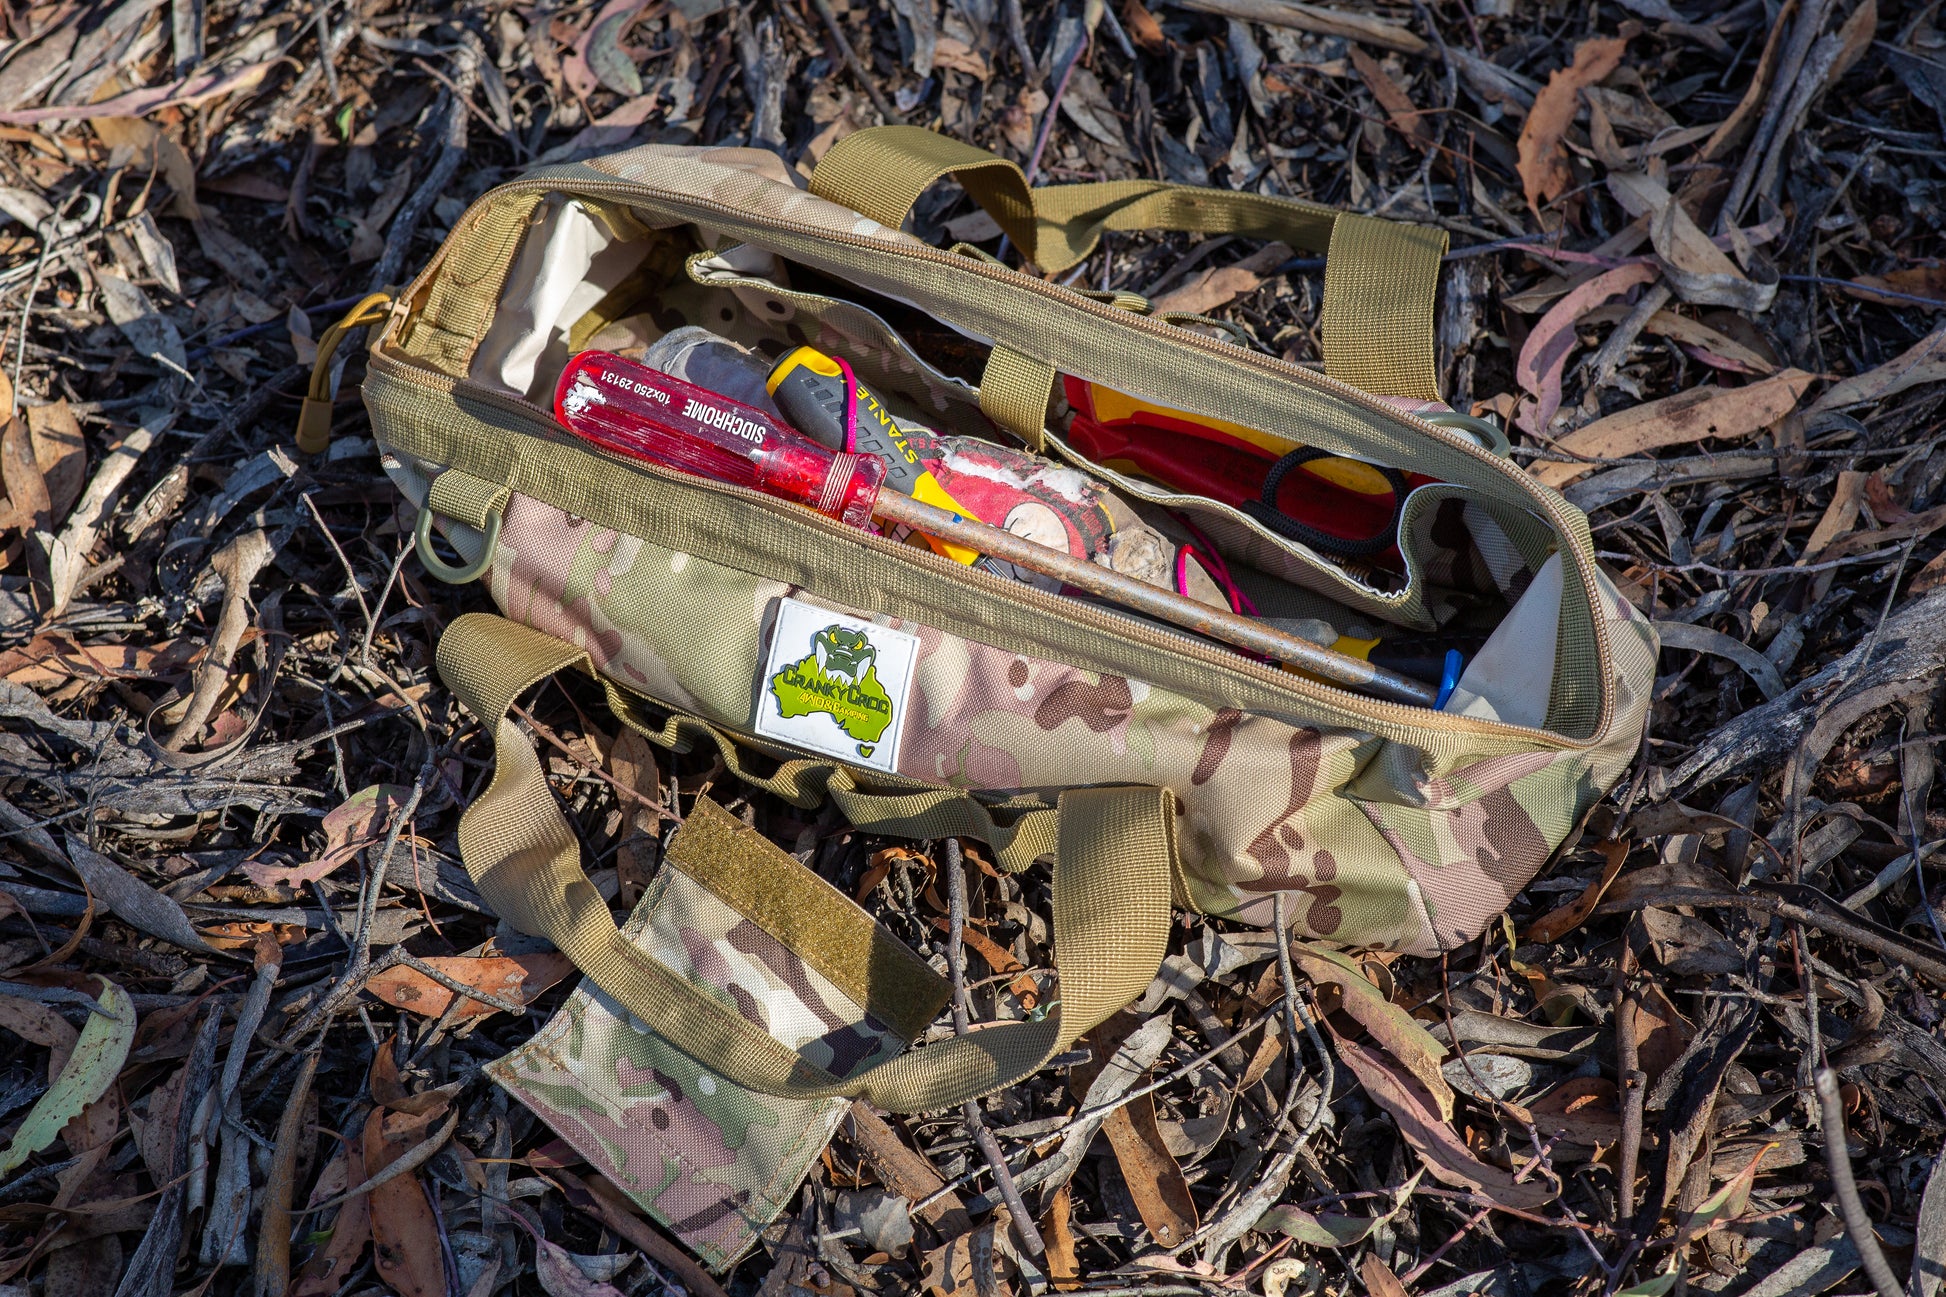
[
  {"x": 1183, "y": 553},
  {"x": 1213, "y": 563},
  {"x": 851, "y": 406},
  {"x": 1239, "y": 601}
]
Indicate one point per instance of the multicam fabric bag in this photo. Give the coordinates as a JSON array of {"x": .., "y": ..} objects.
[
  {"x": 762, "y": 935},
  {"x": 1157, "y": 769}
]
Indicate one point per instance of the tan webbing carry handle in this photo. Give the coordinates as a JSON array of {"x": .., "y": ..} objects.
[
  {"x": 1115, "y": 867},
  {"x": 1380, "y": 277}
]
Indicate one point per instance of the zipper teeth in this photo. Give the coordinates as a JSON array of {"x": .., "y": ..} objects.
[
  {"x": 1071, "y": 609},
  {"x": 1039, "y": 601},
  {"x": 925, "y": 558},
  {"x": 1014, "y": 279},
  {"x": 1069, "y": 455},
  {"x": 1271, "y": 366}
]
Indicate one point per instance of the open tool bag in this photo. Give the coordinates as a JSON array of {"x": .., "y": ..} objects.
[{"x": 1156, "y": 768}]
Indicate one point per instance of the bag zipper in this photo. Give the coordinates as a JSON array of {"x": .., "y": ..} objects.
[
  {"x": 547, "y": 428},
  {"x": 1271, "y": 367},
  {"x": 1275, "y": 367},
  {"x": 1355, "y": 574}
]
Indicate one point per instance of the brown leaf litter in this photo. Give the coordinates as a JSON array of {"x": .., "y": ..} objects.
[{"x": 1696, "y": 269}]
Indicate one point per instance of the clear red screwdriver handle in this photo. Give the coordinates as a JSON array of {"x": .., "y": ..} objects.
[{"x": 647, "y": 414}]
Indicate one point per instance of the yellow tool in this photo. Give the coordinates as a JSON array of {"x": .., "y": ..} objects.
[{"x": 824, "y": 400}]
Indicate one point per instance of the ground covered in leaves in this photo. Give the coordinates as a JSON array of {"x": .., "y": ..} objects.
[{"x": 1696, "y": 269}]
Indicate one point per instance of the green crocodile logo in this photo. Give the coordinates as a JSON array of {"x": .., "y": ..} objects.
[{"x": 838, "y": 678}]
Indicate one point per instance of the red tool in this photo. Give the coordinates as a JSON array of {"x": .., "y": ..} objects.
[
  {"x": 1342, "y": 507},
  {"x": 647, "y": 414},
  {"x": 639, "y": 412}
]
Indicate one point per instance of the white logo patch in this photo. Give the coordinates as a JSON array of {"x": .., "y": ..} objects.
[{"x": 836, "y": 685}]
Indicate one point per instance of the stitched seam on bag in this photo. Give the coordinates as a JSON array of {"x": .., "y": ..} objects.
[
  {"x": 554, "y": 1059},
  {"x": 416, "y": 430},
  {"x": 814, "y": 893},
  {"x": 749, "y": 225}
]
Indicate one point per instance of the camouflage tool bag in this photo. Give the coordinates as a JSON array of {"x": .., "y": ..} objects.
[{"x": 1157, "y": 769}]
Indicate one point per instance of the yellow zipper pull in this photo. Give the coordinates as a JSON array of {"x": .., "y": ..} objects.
[{"x": 314, "y": 419}]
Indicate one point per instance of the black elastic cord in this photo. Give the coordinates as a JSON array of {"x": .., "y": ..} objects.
[{"x": 1265, "y": 510}]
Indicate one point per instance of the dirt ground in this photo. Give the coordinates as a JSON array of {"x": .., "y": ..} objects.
[{"x": 1695, "y": 271}]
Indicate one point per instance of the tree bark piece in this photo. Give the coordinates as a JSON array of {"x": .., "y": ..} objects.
[
  {"x": 905, "y": 1172},
  {"x": 1911, "y": 647}
]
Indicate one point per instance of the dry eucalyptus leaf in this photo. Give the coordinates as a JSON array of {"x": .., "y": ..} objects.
[
  {"x": 1716, "y": 413},
  {"x": 1444, "y": 1153},
  {"x": 134, "y": 902},
  {"x": 1699, "y": 271},
  {"x": 97, "y": 1060},
  {"x": 151, "y": 333},
  {"x": 1923, "y": 362},
  {"x": 238, "y": 259},
  {"x": 1087, "y": 106},
  {"x": 1544, "y": 169},
  {"x": 1210, "y": 289}
]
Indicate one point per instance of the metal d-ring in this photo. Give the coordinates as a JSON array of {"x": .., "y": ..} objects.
[
  {"x": 439, "y": 567},
  {"x": 1485, "y": 431}
]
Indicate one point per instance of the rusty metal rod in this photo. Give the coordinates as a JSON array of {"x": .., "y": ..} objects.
[{"x": 1241, "y": 632}]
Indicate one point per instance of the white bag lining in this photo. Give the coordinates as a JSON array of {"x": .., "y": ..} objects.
[
  {"x": 1511, "y": 678},
  {"x": 568, "y": 266}
]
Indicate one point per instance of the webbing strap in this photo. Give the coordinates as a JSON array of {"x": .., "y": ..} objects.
[
  {"x": 1114, "y": 851},
  {"x": 881, "y": 171},
  {"x": 1376, "y": 325},
  {"x": 1014, "y": 391},
  {"x": 314, "y": 416},
  {"x": 464, "y": 498},
  {"x": 1380, "y": 277}
]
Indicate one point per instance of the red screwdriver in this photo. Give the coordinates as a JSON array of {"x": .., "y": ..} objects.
[{"x": 648, "y": 415}]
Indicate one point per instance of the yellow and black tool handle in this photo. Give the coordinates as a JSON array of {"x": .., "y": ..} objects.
[{"x": 809, "y": 388}]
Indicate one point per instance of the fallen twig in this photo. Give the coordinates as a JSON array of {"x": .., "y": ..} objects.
[
  {"x": 1858, "y": 1225},
  {"x": 1859, "y": 932},
  {"x": 597, "y": 1198},
  {"x": 1023, "y": 1220},
  {"x": 410, "y": 1160},
  {"x": 859, "y": 72},
  {"x": 271, "y": 1274}
]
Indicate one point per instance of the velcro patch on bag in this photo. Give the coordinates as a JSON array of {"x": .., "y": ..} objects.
[{"x": 835, "y": 684}]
